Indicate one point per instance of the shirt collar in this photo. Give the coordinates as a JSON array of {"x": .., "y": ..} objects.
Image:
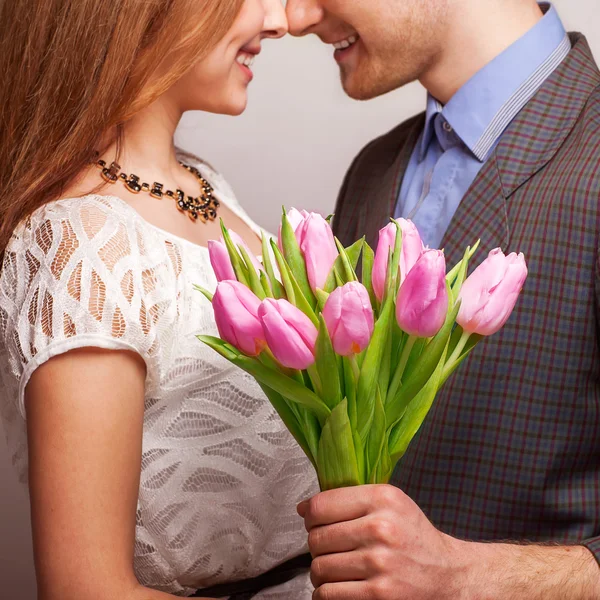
[{"x": 483, "y": 107}]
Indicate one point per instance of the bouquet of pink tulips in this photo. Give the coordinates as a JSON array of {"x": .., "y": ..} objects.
[{"x": 353, "y": 367}]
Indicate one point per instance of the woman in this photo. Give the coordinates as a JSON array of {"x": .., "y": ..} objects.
[{"x": 155, "y": 468}]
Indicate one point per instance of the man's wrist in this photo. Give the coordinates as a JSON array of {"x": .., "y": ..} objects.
[{"x": 505, "y": 571}]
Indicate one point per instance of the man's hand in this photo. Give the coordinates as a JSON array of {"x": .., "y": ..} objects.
[{"x": 374, "y": 543}]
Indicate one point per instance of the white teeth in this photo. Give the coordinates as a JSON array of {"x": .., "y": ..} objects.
[
  {"x": 245, "y": 59},
  {"x": 346, "y": 43}
]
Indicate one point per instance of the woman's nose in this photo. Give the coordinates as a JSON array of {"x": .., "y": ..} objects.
[
  {"x": 276, "y": 25},
  {"x": 303, "y": 16}
]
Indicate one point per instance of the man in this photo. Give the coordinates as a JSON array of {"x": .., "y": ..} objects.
[{"x": 509, "y": 151}]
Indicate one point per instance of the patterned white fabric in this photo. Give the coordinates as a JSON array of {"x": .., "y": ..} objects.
[{"x": 221, "y": 476}]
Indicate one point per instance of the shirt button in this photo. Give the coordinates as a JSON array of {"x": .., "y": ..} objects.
[{"x": 447, "y": 127}]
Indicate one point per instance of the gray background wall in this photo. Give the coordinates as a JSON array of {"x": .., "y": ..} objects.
[{"x": 291, "y": 147}]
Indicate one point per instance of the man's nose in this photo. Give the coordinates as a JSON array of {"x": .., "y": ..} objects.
[{"x": 303, "y": 16}]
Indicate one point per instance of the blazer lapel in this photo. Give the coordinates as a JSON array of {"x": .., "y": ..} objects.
[
  {"x": 480, "y": 215},
  {"x": 526, "y": 147}
]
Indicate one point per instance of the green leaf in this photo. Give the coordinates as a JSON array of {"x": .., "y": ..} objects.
[
  {"x": 385, "y": 367},
  {"x": 264, "y": 281},
  {"x": 393, "y": 279},
  {"x": 293, "y": 291},
  {"x": 285, "y": 273},
  {"x": 287, "y": 387},
  {"x": 451, "y": 276},
  {"x": 422, "y": 371},
  {"x": 290, "y": 420},
  {"x": 295, "y": 259},
  {"x": 469, "y": 347},
  {"x": 327, "y": 367},
  {"x": 338, "y": 274},
  {"x": 347, "y": 272},
  {"x": 322, "y": 297},
  {"x": 225, "y": 349},
  {"x": 376, "y": 439},
  {"x": 278, "y": 291},
  {"x": 365, "y": 403},
  {"x": 350, "y": 391},
  {"x": 415, "y": 356},
  {"x": 385, "y": 469},
  {"x": 368, "y": 258},
  {"x": 253, "y": 279},
  {"x": 353, "y": 252},
  {"x": 416, "y": 411},
  {"x": 399, "y": 339},
  {"x": 460, "y": 276},
  {"x": 312, "y": 430},
  {"x": 359, "y": 452},
  {"x": 239, "y": 267},
  {"x": 204, "y": 292},
  {"x": 303, "y": 304},
  {"x": 336, "y": 460}
]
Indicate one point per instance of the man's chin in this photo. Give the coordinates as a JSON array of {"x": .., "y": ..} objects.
[{"x": 363, "y": 88}]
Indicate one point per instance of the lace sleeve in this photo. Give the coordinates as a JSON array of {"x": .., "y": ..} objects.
[{"x": 80, "y": 273}]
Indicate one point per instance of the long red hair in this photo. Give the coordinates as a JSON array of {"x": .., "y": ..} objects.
[{"x": 73, "y": 70}]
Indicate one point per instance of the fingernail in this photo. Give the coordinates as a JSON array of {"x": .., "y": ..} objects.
[{"x": 301, "y": 508}]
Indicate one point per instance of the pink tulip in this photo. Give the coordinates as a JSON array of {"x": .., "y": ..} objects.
[
  {"x": 291, "y": 335},
  {"x": 236, "y": 314},
  {"x": 412, "y": 248},
  {"x": 220, "y": 261},
  {"x": 490, "y": 293},
  {"x": 295, "y": 218},
  {"x": 349, "y": 318},
  {"x": 317, "y": 244},
  {"x": 422, "y": 303},
  {"x": 238, "y": 241}
]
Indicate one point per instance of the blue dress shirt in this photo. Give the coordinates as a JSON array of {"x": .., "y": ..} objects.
[{"x": 459, "y": 137}]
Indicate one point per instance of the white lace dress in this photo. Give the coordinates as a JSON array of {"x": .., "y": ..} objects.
[{"x": 221, "y": 475}]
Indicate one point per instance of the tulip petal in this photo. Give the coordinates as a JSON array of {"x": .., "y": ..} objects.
[
  {"x": 422, "y": 302},
  {"x": 319, "y": 249},
  {"x": 220, "y": 261},
  {"x": 236, "y": 316},
  {"x": 489, "y": 294},
  {"x": 294, "y": 353}
]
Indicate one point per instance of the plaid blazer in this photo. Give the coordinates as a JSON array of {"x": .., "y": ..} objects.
[{"x": 511, "y": 448}]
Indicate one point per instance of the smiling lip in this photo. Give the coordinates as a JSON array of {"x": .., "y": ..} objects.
[
  {"x": 251, "y": 50},
  {"x": 342, "y": 53},
  {"x": 245, "y": 60},
  {"x": 343, "y": 46}
]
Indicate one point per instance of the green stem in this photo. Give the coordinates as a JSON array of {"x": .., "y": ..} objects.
[
  {"x": 355, "y": 367},
  {"x": 313, "y": 373},
  {"x": 395, "y": 385},
  {"x": 464, "y": 338},
  {"x": 460, "y": 346}
]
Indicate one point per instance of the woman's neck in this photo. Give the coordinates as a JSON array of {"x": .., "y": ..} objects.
[
  {"x": 148, "y": 140},
  {"x": 148, "y": 147}
]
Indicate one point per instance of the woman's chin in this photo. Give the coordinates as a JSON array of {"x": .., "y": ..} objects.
[
  {"x": 235, "y": 110},
  {"x": 234, "y": 106}
]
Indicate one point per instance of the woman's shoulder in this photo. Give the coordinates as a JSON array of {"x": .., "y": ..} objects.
[
  {"x": 80, "y": 272},
  {"x": 80, "y": 246},
  {"x": 90, "y": 222},
  {"x": 89, "y": 209}
]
